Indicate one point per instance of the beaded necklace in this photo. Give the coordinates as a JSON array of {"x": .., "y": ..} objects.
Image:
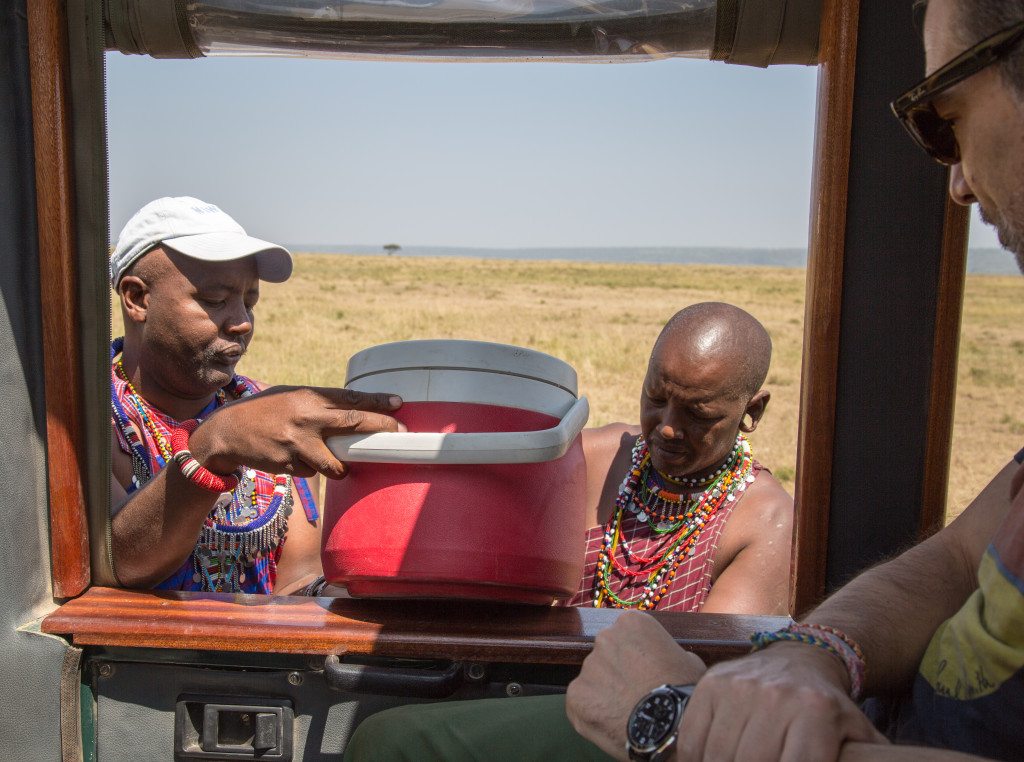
[
  {"x": 225, "y": 548},
  {"x": 245, "y": 528},
  {"x": 678, "y": 516},
  {"x": 151, "y": 426}
]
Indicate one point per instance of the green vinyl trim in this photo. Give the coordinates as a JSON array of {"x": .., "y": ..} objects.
[{"x": 87, "y": 702}]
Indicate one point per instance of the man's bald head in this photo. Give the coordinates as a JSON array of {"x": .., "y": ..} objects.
[{"x": 723, "y": 333}]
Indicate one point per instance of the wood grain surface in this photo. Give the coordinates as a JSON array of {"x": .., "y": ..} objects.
[
  {"x": 69, "y": 533},
  {"x": 945, "y": 350},
  {"x": 829, "y": 185},
  {"x": 414, "y": 629}
]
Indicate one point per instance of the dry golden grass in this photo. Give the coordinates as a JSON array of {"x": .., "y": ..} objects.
[
  {"x": 603, "y": 319},
  {"x": 988, "y": 425}
]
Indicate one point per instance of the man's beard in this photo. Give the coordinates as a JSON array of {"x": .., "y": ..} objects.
[
  {"x": 207, "y": 369},
  {"x": 1009, "y": 226}
]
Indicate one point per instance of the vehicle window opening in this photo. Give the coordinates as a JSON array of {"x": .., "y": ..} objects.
[{"x": 405, "y": 276}]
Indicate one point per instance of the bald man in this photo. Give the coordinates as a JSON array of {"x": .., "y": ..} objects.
[{"x": 682, "y": 517}]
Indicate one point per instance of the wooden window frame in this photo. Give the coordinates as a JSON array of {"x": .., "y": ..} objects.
[{"x": 104, "y": 616}]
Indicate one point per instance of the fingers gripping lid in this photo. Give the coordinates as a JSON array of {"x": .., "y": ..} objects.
[{"x": 196, "y": 229}]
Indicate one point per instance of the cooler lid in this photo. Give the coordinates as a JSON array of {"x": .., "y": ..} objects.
[{"x": 458, "y": 354}]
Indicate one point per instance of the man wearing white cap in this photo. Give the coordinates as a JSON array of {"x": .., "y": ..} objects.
[{"x": 202, "y": 490}]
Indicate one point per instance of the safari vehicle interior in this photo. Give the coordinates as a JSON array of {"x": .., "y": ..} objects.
[{"x": 128, "y": 674}]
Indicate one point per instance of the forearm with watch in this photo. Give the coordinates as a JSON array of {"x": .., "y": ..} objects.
[
  {"x": 652, "y": 729},
  {"x": 653, "y": 726}
]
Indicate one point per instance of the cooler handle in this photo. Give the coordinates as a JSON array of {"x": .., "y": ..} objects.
[{"x": 462, "y": 449}]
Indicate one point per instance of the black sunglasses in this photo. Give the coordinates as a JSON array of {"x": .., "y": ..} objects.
[{"x": 915, "y": 110}]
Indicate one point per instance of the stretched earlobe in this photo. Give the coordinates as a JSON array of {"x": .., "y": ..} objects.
[{"x": 755, "y": 410}]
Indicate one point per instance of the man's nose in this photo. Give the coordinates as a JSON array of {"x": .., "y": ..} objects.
[
  {"x": 239, "y": 322},
  {"x": 670, "y": 431},
  {"x": 959, "y": 188}
]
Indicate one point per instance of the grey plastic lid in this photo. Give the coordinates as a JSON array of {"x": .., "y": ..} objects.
[{"x": 458, "y": 354}]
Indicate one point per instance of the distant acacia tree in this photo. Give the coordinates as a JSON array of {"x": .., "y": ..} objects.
[{"x": 391, "y": 248}]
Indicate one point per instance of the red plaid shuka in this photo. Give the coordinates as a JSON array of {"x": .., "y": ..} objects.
[{"x": 692, "y": 584}]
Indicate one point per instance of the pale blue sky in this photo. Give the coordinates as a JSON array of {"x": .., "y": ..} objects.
[{"x": 667, "y": 153}]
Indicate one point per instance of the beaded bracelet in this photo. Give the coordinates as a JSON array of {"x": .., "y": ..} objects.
[
  {"x": 838, "y": 633},
  {"x": 828, "y": 639},
  {"x": 191, "y": 468}
]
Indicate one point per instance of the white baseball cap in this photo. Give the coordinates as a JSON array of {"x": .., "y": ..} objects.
[{"x": 196, "y": 229}]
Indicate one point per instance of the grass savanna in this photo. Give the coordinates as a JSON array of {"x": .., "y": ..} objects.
[{"x": 603, "y": 318}]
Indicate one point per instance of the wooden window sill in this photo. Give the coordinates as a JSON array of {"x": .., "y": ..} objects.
[{"x": 414, "y": 629}]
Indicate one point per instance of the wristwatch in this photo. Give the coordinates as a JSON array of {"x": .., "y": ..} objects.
[{"x": 653, "y": 725}]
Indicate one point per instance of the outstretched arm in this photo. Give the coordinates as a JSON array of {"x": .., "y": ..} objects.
[
  {"x": 155, "y": 530},
  {"x": 279, "y": 431},
  {"x": 894, "y": 609}
]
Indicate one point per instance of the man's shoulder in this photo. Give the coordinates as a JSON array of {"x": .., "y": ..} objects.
[
  {"x": 609, "y": 438},
  {"x": 607, "y": 452},
  {"x": 761, "y": 523},
  {"x": 766, "y": 488},
  {"x": 766, "y": 510}
]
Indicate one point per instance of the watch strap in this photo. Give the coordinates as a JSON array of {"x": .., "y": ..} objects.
[{"x": 661, "y": 748}]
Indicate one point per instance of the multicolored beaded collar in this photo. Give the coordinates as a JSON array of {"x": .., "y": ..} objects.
[
  {"x": 246, "y": 527},
  {"x": 680, "y": 517}
]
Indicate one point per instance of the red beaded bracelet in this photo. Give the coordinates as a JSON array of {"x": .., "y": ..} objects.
[{"x": 191, "y": 468}]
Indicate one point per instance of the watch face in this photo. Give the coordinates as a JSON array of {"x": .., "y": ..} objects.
[{"x": 653, "y": 720}]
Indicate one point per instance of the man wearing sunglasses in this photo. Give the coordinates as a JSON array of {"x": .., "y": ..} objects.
[
  {"x": 944, "y": 111},
  {"x": 941, "y": 626}
]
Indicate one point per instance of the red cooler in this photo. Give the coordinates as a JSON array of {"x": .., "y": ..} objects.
[{"x": 482, "y": 498}]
